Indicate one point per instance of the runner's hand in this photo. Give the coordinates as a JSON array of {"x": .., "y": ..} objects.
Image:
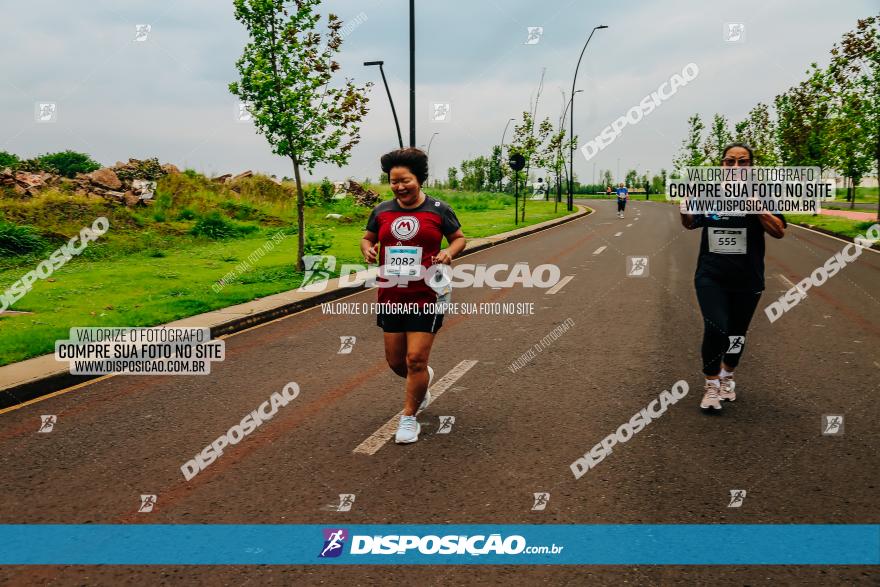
[
  {"x": 371, "y": 253},
  {"x": 442, "y": 257}
]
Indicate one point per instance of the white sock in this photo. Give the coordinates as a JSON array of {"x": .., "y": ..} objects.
[
  {"x": 726, "y": 373},
  {"x": 715, "y": 382}
]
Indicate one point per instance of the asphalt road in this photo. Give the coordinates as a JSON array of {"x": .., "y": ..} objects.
[{"x": 514, "y": 433}]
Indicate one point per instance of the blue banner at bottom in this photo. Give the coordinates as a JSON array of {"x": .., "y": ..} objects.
[{"x": 469, "y": 544}]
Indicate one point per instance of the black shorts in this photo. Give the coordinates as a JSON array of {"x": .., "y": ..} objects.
[{"x": 409, "y": 322}]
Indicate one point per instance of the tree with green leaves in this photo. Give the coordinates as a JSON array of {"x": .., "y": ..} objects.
[
  {"x": 552, "y": 158},
  {"x": 719, "y": 137},
  {"x": 607, "y": 178},
  {"x": 758, "y": 131},
  {"x": 802, "y": 116},
  {"x": 528, "y": 142},
  {"x": 850, "y": 139},
  {"x": 855, "y": 74},
  {"x": 691, "y": 153},
  {"x": 285, "y": 81},
  {"x": 475, "y": 173},
  {"x": 658, "y": 183},
  {"x": 68, "y": 163},
  {"x": 8, "y": 160},
  {"x": 452, "y": 178},
  {"x": 631, "y": 178},
  {"x": 496, "y": 168}
]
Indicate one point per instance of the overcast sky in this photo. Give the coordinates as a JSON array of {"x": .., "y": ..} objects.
[{"x": 167, "y": 96}]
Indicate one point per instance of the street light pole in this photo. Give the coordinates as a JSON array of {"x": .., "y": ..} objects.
[
  {"x": 429, "y": 143},
  {"x": 412, "y": 73},
  {"x": 501, "y": 155},
  {"x": 561, "y": 122},
  {"x": 387, "y": 91},
  {"x": 571, "y": 148}
]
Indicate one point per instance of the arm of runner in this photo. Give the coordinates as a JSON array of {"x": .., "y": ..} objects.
[
  {"x": 370, "y": 246},
  {"x": 456, "y": 245},
  {"x": 689, "y": 221},
  {"x": 773, "y": 225}
]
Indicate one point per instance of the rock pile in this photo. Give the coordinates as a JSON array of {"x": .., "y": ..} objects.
[
  {"x": 25, "y": 183},
  {"x": 132, "y": 183},
  {"x": 362, "y": 196},
  {"x": 229, "y": 178}
]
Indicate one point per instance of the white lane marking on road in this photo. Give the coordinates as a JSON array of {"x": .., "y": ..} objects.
[
  {"x": 873, "y": 250},
  {"x": 599, "y": 250},
  {"x": 378, "y": 438},
  {"x": 785, "y": 279},
  {"x": 618, "y": 233},
  {"x": 790, "y": 284},
  {"x": 560, "y": 285},
  {"x": 630, "y": 224}
]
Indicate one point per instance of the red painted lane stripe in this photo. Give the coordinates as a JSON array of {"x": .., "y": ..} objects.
[{"x": 828, "y": 298}]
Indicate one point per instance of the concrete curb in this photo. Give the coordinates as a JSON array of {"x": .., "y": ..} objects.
[
  {"x": 40, "y": 376},
  {"x": 837, "y": 235}
]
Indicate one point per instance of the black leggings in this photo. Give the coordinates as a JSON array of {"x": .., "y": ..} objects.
[
  {"x": 725, "y": 314},
  {"x": 621, "y": 204}
]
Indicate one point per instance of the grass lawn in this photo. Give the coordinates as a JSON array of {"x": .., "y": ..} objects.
[
  {"x": 864, "y": 195},
  {"x": 144, "y": 277},
  {"x": 837, "y": 225}
]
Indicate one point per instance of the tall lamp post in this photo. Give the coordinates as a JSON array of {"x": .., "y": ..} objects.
[
  {"x": 571, "y": 149},
  {"x": 501, "y": 155},
  {"x": 387, "y": 91},
  {"x": 412, "y": 73},
  {"x": 562, "y": 121},
  {"x": 429, "y": 143}
]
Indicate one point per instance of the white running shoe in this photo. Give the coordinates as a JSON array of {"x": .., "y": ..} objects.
[
  {"x": 427, "y": 398},
  {"x": 711, "y": 397},
  {"x": 727, "y": 389},
  {"x": 408, "y": 430}
]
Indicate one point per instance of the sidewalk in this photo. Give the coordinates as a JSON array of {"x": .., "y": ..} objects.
[
  {"x": 851, "y": 214},
  {"x": 39, "y": 376}
]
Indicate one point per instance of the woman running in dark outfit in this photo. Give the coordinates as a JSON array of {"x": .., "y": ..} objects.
[
  {"x": 410, "y": 229},
  {"x": 729, "y": 281}
]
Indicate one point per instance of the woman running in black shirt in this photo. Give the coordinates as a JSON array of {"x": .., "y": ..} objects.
[{"x": 729, "y": 281}]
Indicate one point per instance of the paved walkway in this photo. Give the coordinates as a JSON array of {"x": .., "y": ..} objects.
[{"x": 851, "y": 214}]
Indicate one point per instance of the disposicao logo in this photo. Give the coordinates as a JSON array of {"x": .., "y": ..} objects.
[{"x": 334, "y": 541}]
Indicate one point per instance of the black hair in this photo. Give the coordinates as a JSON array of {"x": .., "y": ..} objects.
[
  {"x": 413, "y": 159},
  {"x": 741, "y": 145}
]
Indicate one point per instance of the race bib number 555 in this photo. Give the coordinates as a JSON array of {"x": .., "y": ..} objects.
[{"x": 727, "y": 241}]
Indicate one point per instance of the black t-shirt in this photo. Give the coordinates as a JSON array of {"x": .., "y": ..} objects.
[{"x": 732, "y": 268}]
